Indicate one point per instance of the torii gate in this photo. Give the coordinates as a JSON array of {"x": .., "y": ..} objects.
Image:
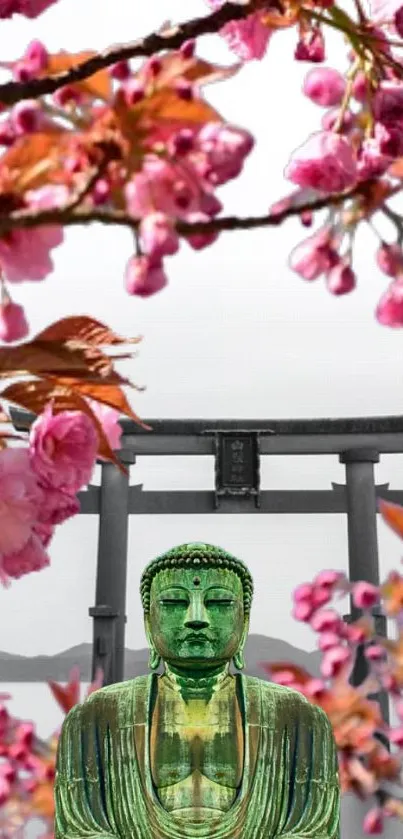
[{"x": 237, "y": 446}]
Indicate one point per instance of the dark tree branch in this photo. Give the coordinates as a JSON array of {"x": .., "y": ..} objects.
[
  {"x": 69, "y": 217},
  {"x": 169, "y": 39}
]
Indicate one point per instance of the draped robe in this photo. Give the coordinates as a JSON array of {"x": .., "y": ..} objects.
[{"x": 289, "y": 789}]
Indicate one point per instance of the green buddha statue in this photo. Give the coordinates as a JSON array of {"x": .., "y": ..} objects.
[{"x": 198, "y": 752}]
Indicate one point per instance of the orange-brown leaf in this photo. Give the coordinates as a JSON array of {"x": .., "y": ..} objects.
[
  {"x": 106, "y": 394},
  {"x": 54, "y": 358},
  {"x": 173, "y": 67},
  {"x": 392, "y": 515},
  {"x": 99, "y": 85},
  {"x": 35, "y": 395},
  {"x": 167, "y": 106},
  {"x": 34, "y": 159},
  {"x": 81, "y": 329}
]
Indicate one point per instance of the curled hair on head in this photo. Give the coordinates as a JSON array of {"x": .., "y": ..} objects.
[{"x": 195, "y": 555}]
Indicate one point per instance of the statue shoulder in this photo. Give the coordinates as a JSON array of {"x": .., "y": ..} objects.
[
  {"x": 109, "y": 701},
  {"x": 288, "y": 702}
]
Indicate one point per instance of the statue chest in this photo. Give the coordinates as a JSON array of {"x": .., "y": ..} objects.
[{"x": 196, "y": 751}]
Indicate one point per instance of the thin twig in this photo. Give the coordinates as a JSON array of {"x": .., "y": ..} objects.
[{"x": 168, "y": 39}]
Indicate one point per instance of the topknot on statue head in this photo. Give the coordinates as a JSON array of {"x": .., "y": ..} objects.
[{"x": 194, "y": 555}]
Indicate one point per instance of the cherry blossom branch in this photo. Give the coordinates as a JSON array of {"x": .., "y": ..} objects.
[
  {"x": 169, "y": 39},
  {"x": 69, "y": 217}
]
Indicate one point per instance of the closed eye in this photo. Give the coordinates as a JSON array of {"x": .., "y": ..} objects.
[
  {"x": 219, "y": 602},
  {"x": 173, "y": 602}
]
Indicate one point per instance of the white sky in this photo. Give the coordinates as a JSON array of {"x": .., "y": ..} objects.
[{"x": 236, "y": 334}]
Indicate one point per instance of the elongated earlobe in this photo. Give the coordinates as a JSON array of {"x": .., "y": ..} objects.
[
  {"x": 154, "y": 659},
  {"x": 239, "y": 661}
]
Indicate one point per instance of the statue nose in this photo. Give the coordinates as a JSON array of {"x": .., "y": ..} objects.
[{"x": 196, "y": 617}]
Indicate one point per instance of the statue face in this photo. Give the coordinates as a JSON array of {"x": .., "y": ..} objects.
[{"x": 196, "y": 616}]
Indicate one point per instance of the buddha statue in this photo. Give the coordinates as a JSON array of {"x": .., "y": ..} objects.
[{"x": 197, "y": 751}]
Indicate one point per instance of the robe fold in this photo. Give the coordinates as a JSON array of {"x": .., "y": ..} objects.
[{"x": 289, "y": 789}]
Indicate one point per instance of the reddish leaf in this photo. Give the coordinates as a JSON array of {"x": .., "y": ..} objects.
[
  {"x": 167, "y": 106},
  {"x": 195, "y": 69},
  {"x": 34, "y": 160},
  {"x": 81, "y": 329},
  {"x": 51, "y": 358},
  {"x": 392, "y": 515},
  {"x": 99, "y": 85},
  {"x": 110, "y": 395},
  {"x": 68, "y": 696}
]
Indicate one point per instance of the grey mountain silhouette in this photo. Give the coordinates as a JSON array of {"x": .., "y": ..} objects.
[{"x": 18, "y": 668}]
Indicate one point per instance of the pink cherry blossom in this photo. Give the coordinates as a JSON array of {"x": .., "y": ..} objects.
[
  {"x": 144, "y": 277},
  {"x": 324, "y": 86},
  {"x": 364, "y": 595},
  {"x": 225, "y": 149},
  {"x": 24, "y": 254},
  {"x": 327, "y": 620},
  {"x": 160, "y": 187},
  {"x": 13, "y": 323},
  {"x": 388, "y": 102},
  {"x": 334, "y": 660},
  {"x": 57, "y": 506},
  {"x": 248, "y": 38},
  {"x": 302, "y": 611},
  {"x": 303, "y": 592},
  {"x": 63, "y": 449},
  {"x": 31, "y": 557},
  {"x": 328, "y": 640},
  {"x": 20, "y": 500},
  {"x": 329, "y": 578},
  {"x": 389, "y": 311},
  {"x": 325, "y": 162}
]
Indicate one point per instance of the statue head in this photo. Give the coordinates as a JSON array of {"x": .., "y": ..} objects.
[{"x": 196, "y": 600}]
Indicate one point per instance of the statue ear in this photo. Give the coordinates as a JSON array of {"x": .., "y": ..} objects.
[
  {"x": 238, "y": 659},
  {"x": 154, "y": 659}
]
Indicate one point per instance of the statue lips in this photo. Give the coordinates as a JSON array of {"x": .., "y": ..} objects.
[{"x": 196, "y": 636}]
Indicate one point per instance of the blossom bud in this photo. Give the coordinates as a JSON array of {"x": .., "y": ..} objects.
[
  {"x": 184, "y": 90},
  {"x": 390, "y": 259},
  {"x": 143, "y": 277},
  {"x": 373, "y": 822},
  {"x": 375, "y": 653},
  {"x": 364, "y": 595},
  {"x": 13, "y": 323},
  {"x": 133, "y": 92},
  {"x": 187, "y": 49},
  {"x": 328, "y": 640},
  {"x": 120, "y": 71},
  {"x": 324, "y": 86},
  {"x": 25, "y": 116},
  {"x": 340, "y": 279},
  {"x": 389, "y": 311}
]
